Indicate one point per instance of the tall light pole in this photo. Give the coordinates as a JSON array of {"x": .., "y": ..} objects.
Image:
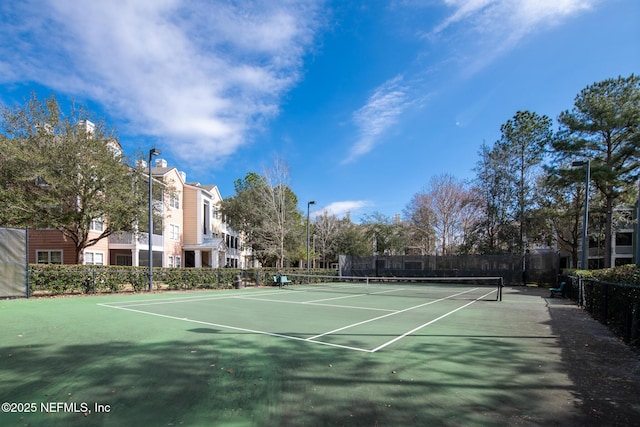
[
  {"x": 153, "y": 152},
  {"x": 312, "y": 202},
  {"x": 585, "y": 221},
  {"x": 636, "y": 253}
]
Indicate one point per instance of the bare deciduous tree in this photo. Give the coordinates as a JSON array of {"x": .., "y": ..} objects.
[
  {"x": 280, "y": 209},
  {"x": 441, "y": 207},
  {"x": 265, "y": 209},
  {"x": 326, "y": 229}
]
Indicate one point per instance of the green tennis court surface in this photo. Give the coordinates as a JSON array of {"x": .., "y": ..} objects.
[{"x": 352, "y": 355}]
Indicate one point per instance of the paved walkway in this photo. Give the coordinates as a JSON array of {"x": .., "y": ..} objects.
[{"x": 605, "y": 371}]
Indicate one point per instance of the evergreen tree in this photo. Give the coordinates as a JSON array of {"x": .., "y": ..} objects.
[
  {"x": 524, "y": 140},
  {"x": 604, "y": 126}
]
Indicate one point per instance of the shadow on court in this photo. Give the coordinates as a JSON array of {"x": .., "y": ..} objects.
[{"x": 503, "y": 368}]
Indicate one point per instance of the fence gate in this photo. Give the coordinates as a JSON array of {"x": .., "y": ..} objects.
[{"x": 14, "y": 273}]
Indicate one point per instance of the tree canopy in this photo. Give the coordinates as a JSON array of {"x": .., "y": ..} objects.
[
  {"x": 524, "y": 140},
  {"x": 264, "y": 209},
  {"x": 65, "y": 172},
  {"x": 59, "y": 170},
  {"x": 604, "y": 126}
]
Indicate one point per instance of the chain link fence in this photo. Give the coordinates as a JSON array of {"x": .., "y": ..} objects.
[
  {"x": 539, "y": 268},
  {"x": 616, "y": 305}
]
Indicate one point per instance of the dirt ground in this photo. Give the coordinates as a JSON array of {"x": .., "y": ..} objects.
[{"x": 605, "y": 371}]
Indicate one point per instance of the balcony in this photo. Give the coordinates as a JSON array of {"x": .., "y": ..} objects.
[
  {"x": 135, "y": 239},
  {"x": 624, "y": 250}
]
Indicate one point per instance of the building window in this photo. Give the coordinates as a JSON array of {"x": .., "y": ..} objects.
[
  {"x": 596, "y": 242},
  {"x": 624, "y": 239},
  {"x": 94, "y": 258},
  {"x": 157, "y": 228},
  {"x": 97, "y": 224},
  {"x": 174, "y": 232},
  {"x": 174, "y": 200},
  {"x": 175, "y": 261},
  {"x": 205, "y": 219},
  {"x": 49, "y": 257}
]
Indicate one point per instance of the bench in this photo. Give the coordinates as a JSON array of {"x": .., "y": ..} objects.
[
  {"x": 281, "y": 280},
  {"x": 559, "y": 291}
]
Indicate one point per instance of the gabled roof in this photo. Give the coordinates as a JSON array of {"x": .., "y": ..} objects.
[
  {"x": 163, "y": 171},
  {"x": 212, "y": 189}
]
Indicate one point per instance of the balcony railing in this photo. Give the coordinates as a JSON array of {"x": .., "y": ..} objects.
[{"x": 135, "y": 238}]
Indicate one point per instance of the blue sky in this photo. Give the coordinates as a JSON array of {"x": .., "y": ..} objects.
[{"x": 365, "y": 101}]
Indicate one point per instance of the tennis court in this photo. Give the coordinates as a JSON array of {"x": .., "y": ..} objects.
[
  {"x": 327, "y": 354},
  {"x": 358, "y": 316}
]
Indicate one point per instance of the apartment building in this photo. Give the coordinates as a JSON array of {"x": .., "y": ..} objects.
[
  {"x": 190, "y": 233},
  {"x": 623, "y": 241},
  {"x": 208, "y": 239},
  {"x": 203, "y": 244},
  {"x": 133, "y": 248}
]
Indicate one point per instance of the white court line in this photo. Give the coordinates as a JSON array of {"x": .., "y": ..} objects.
[
  {"x": 316, "y": 303},
  {"x": 332, "y": 298},
  {"x": 314, "y": 338},
  {"x": 390, "y": 314},
  {"x": 428, "y": 323},
  {"x": 143, "y": 303},
  {"x": 352, "y": 296},
  {"x": 235, "y": 328}
]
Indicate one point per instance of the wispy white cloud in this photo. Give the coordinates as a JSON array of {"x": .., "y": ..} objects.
[
  {"x": 343, "y": 208},
  {"x": 198, "y": 74},
  {"x": 483, "y": 30},
  {"x": 381, "y": 111},
  {"x": 474, "y": 33}
]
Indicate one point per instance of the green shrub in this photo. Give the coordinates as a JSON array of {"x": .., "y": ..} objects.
[
  {"x": 51, "y": 279},
  {"x": 71, "y": 279},
  {"x": 627, "y": 274}
]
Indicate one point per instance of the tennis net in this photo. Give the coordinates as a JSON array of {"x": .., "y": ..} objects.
[{"x": 481, "y": 288}]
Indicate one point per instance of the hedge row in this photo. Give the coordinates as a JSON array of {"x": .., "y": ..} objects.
[
  {"x": 610, "y": 295},
  {"x": 626, "y": 274},
  {"x": 50, "y": 279}
]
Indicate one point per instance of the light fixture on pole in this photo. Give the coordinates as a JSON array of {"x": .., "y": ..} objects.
[
  {"x": 153, "y": 152},
  {"x": 585, "y": 221},
  {"x": 312, "y": 202}
]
